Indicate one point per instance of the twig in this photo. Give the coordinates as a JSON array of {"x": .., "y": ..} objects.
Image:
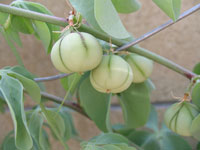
[
  {"x": 160, "y": 28},
  {"x": 42, "y": 79},
  {"x": 69, "y": 104}
]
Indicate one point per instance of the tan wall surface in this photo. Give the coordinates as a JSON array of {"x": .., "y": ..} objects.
[{"x": 179, "y": 43}]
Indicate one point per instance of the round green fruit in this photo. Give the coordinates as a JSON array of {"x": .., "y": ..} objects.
[
  {"x": 179, "y": 117},
  {"x": 76, "y": 52},
  {"x": 141, "y": 67},
  {"x": 113, "y": 75}
]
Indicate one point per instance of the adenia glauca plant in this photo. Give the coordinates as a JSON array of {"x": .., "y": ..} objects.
[{"x": 97, "y": 58}]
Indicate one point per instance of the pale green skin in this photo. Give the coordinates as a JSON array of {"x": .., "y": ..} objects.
[
  {"x": 79, "y": 52},
  {"x": 141, "y": 67},
  {"x": 113, "y": 75},
  {"x": 181, "y": 122}
]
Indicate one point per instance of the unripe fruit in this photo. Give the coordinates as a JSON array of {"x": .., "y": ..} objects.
[
  {"x": 76, "y": 52},
  {"x": 113, "y": 75},
  {"x": 179, "y": 117},
  {"x": 141, "y": 67}
]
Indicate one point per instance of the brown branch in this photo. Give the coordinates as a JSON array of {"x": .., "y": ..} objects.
[{"x": 74, "y": 106}]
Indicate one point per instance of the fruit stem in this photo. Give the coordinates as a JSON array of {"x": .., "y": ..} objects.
[
  {"x": 192, "y": 83},
  {"x": 68, "y": 92},
  {"x": 135, "y": 49}
]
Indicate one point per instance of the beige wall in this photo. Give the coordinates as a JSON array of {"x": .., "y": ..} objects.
[{"x": 180, "y": 43}]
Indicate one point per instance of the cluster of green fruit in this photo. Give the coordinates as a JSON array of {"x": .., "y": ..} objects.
[{"x": 81, "y": 52}]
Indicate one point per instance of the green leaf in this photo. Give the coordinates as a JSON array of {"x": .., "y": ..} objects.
[
  {"x": 68, "y": 125},
  {"x": 170, "y": 7},
  {"x": 126, "y": 6},
  {"x": 43, "y": 31},
  {"x": 135, "y": 105},
  {"x": 56, "y": 123},
  {"x": 172, "y": 141},
  {"x": 86, "y": 8},
  {"x": 41, "y": 9},
  {"x": 13, "y": 35},
  {"x": 29, "y": 85},
  {"x": 196, "y": 94},
  {"x": 67, "y": 115},
  {"x": 144, "y": 139},
  {"x": 44, "y": 140},
  {"x": 12, "y": 46},
  {"x": 150, "y": 85},
  {"x": 107, "y": 141},
  {"x": 108, "y": 19},
  {"x": 3, "y": 18},
  {"x": 121, "y": 129},
  {"x": 35, "y": 127},
  {"x": 91, "y": 147},
  {"x": 2, "y": 105},
  {"x": 67, "y": 81},
  {"x": 107, "y": 147},
  {"x": 12, "y": 91},
  {"x": 24, "y": 72},
  {"x": 125, "y": 147},
  {"x": 196, "y": 69},
  {"x": 96, "y": 105},
  {"x": 110, "y": 147},
  {"x": 195, "y": 128},
  {"x": 9, "y": 142},
  {"x": 198, "y": 146},
  {"x": 152, "y": 122},
  {"x": 2, "y": 102},
  {"x": 109, "y": 138},
  {"x": 163, "y": 140},
  {"x": 22, "y": 24}
]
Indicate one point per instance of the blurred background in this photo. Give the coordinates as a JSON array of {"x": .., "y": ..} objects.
[{"x": 179, "y": 43}]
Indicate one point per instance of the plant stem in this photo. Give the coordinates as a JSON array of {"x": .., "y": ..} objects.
[
  {"x": 135, "y": 49},
  {"x": 192, "y": 83},
  {"x": 33, "y": 15},
  {"x": 50, "y": 78},
  {"x": 68, "y": 92},
  {"x": 12, "y": 47},
  {"x": 68, "y": 104}
]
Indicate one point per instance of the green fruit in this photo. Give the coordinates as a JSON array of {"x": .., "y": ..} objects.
[
  {"x": 113, "y": 75},
  {"x": 179, "y": 117},
  {"x": 76, "y": 52},
  {"x": 141, "y": 67}
]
